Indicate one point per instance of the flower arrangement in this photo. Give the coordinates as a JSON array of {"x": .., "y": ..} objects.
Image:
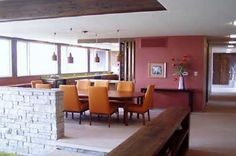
[{"x": 180, "y": 65}]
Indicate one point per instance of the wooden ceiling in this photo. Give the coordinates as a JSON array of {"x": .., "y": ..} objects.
[
  {"x": 221, "y": 41},
  {"x": 14, "y": 10}
]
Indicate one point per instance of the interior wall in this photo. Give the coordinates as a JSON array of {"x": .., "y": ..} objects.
[{"x": 176, "y": 47}]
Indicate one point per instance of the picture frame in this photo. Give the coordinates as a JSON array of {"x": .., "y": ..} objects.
[{"x": 157, "y": 70}]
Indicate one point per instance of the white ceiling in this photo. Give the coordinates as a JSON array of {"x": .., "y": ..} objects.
[
  {"x": 223, "y": 49},
  {"x": 183, "y": 17}
]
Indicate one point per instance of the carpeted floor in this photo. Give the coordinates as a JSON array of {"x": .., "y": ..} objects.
[
  {"x": 99, "y": 136},
  {"x": 213, "y": 132}
]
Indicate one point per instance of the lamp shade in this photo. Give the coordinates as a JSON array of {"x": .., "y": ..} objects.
[
  {"x": 54, "y": 57},
  {"x": 96, "y": 59},
  {"x": 119, "y": 57},
  {"x": 70, "y": 59}
]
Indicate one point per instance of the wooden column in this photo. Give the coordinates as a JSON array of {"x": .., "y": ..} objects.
[{"x": 127, "y": 66}]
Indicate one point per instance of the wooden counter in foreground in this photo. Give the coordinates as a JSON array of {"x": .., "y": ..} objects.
[{"x": 165, "y": 135}]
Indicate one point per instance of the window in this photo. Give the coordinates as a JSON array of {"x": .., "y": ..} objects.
[
  {"x": 22, "y": 59},
  {"x": 80, "y": 63},
  {"x": 98, "y": 66},
  {"x": 35, "y": 58},
  {"x": 5, "y": 58}
]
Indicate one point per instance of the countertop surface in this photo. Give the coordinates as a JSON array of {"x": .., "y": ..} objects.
[{"x": 73, "y": 77}]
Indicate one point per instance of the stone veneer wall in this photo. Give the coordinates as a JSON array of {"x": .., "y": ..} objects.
[{"x": 31, "y": 120}]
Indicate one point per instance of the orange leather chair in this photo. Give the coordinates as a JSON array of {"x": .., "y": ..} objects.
[
  {"x": 71, "y": 101},
  {"x": 83, "y": 84},
  {"x": 34, "y": 82},
  {"x": 142, "y": 108},
  {"x": 102, "y": 83},
  {"x": 43, "y": 86},
  {"x": 99, "y": 103},
  {"x": 126, "y": 86}
]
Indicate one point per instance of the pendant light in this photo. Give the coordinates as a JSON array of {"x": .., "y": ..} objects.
[
  {"x": 54, "y": 56},
  {"x": 96, "y": 59},
  {"x": 70, "y": 58},
  {"x": 119, "y": 56}
]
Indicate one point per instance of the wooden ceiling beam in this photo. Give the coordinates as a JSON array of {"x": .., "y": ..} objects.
[
  {"x": 14, "y": 10},
  {"x": 104, "y": 40}
]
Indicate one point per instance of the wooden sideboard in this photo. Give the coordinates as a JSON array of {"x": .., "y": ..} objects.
[{"x": 189, "y": 92}]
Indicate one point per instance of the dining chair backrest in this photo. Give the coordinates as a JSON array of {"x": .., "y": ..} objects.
[
  {"x": 148, "y": 97},
  {"x": 98, "y": 100},
  {"x": 71, "y": 98},
  {"x": 34, "y": 82},
  {"x": 43, "y": 85},
  {"x": 101, "y": 83},
  {"x": 83, "y": 84},
  {"x": 127, "y": 86}
]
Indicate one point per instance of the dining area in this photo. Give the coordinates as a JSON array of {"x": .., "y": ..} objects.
[
  {"x": 98, "y": 115},
  {"x": 94, "y": 99}
]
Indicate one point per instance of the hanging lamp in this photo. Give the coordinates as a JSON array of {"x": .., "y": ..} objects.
[
  {"x": 96, "y": 59},
  {"x": 54, "y": 56},
  {"x": 119, "y": 56},
  {"x": 70, "y": 58}
]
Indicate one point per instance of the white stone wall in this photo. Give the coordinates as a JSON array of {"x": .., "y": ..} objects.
[{"x": 31, "y": 120}]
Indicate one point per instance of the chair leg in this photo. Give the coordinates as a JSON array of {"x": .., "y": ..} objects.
[
  {"x": 131, "y": 114},
  {"x": 66, "y": 114},
  {"x": 72, "y": 115},
  {"x": 118, "y": 116},
  {"x": 149, "y": 119},
  {"x": 137, "y": 115},
  {"x": 125, "y": 117},
  {"x": 80, "y": 116},
  {"x": 143, "y": 118},
  {"x": 90, "y": 119},
  {"x": 109, "y": 120}
]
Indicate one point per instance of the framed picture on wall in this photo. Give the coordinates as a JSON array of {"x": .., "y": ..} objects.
[{"x": 157, "y": 70}]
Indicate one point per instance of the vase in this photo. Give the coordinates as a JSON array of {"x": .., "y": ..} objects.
[{"x": 181, "y": 82}]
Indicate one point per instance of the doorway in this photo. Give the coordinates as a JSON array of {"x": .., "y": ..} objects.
[{"x": 222, "y": 73}]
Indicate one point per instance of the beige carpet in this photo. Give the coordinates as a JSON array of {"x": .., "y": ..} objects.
[
  {"x": 99, "y": 136},
  {"x": 213, "y": 132}
]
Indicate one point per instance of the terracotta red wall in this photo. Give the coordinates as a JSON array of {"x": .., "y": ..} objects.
[{"x": 176, "y": 47}]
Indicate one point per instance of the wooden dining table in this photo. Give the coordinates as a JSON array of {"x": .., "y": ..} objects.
[{"x": 125, "y": 97}]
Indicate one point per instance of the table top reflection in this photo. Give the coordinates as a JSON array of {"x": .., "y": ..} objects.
[{"x": 113, "y": 94}]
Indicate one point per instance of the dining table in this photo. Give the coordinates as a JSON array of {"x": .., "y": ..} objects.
[{"x": 123, "y": 96}]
